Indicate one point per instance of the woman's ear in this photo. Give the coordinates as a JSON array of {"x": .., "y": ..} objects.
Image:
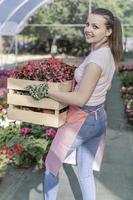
[{"x": 109, "y": 32}]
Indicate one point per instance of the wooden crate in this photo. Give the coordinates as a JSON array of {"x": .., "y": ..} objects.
[{"x": 22, "y": 107}]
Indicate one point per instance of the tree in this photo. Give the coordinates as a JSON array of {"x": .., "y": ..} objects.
[{"x": 75, "y": 12}]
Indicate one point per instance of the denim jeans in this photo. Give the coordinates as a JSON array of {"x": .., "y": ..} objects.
[{"x": 86, "y": 143}]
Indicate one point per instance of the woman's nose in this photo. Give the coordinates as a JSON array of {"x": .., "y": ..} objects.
[{"x": 88, "y": 28}]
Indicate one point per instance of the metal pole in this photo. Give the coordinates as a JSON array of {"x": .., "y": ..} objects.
[
  {"x": 1, "y": 52},
  {"x": 16, "y": 49},
  {"x": 90, "y": 5}
]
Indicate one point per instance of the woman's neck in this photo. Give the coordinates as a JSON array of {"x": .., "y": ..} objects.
[{"x": 100, "y": 45}]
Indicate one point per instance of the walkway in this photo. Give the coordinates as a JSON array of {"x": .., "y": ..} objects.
[{"x": 114, "y": 182}]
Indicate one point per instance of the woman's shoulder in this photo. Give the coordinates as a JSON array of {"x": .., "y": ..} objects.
[
  {"x": 102, "y": 57},
  {"x": 100, "y": 52}
]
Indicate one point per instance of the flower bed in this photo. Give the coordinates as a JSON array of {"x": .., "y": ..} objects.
[
  {"x": 46, "y": 112},
  {"x": 25, "y": 144},
  {"x": 126, "y": 76}
]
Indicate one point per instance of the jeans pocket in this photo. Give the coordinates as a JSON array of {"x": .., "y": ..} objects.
[{"x": 88, "y": 128}]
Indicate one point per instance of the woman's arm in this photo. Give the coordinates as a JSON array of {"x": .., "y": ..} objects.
[
  {"x": 87, "y": 85},
  {"x": 110, "y": 86}
]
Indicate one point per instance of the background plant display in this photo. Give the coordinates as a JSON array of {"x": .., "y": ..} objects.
[
  {"x": 126, "y": 76},
  {"x": 23, "y": 145}
]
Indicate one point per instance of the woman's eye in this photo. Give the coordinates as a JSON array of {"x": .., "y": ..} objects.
[
  {"x": 95, "y": 27},
  {"x": 87, "y": 24}
]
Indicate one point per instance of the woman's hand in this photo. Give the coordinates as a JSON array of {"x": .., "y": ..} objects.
[{"x": 38, "y": 91}]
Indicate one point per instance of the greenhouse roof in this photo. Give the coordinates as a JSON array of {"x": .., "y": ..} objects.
[{"x": 15, "y": 13}]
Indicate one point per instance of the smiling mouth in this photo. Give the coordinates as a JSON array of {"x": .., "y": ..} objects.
[{"x": 88, "y": 35}]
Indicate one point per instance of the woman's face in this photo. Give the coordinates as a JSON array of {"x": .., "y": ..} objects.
[{"x": 95, "y": 30}]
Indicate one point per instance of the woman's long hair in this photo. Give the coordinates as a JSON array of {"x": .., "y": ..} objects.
[{"x": 115, "y": 39}]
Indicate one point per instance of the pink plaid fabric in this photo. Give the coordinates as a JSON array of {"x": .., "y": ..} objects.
[{"x": 65, "y": 137}]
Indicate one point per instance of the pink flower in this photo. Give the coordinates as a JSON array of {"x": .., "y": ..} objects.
[
  {"x": 25, "y": 130},
  {"x": 4, "y": 111},
  {"x": 11, "y": 72},
  {"x": 3, "y": 92},
  {"x": 51, "y": 132}
]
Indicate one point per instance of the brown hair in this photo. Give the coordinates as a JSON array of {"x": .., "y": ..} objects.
[{"x": 115, "y": 39}]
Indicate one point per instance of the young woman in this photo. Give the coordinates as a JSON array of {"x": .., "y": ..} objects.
[{"x": 86, "y": 122}]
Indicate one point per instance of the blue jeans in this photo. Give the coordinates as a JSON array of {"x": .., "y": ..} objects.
[{"x": 86, "y": 143}]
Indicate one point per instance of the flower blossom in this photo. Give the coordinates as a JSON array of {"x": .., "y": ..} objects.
[
  {"x": 18, "y": 148},
  {"x": 25, "y": 130},
  {"x": 7, "y": 151},
  {"x": 1, "y": 107},
  {"x": 51, "y": 132},
  {"x": 4, "y": 111},
  {"x": 3, "y": 92},
  {"x": 51, "y": 70}
]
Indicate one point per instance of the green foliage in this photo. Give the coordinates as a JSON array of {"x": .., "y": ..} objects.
[
  {"x": 3, "y": 165},
  {"x": 127, "y": 78},
  {"x": 66, "y": 12},
  {"x": 36, "y": 130},
  {"x": 61, "y": 12},
  {"x": 33, "y": 146},
  {"x": 7, "y": 133},
  {"x": 34, "y": 150},
  {"x": 72, "y": 12}
]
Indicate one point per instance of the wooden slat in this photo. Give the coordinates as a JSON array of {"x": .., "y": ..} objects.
[
  {"x": 20, "y": 84},
  {"x": 37, "y": 118},
  {"x": 25, "y": 100},
  {"x": 65, "y": 86}
]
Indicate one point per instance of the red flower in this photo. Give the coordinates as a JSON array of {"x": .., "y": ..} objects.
[
  {"x": 4, "y": 149},
  {"x": 18, "y": 148},
  {"x": 1, "y": 107},
  {"x": 7, "y": 151},
  {"x": 10, "y": 154},
  {"x": 51, "y": 70},
  {"x": 11, "y": 72}
]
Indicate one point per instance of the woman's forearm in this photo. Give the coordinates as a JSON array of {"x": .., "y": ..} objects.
[{"x": 70, "y": 98}]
